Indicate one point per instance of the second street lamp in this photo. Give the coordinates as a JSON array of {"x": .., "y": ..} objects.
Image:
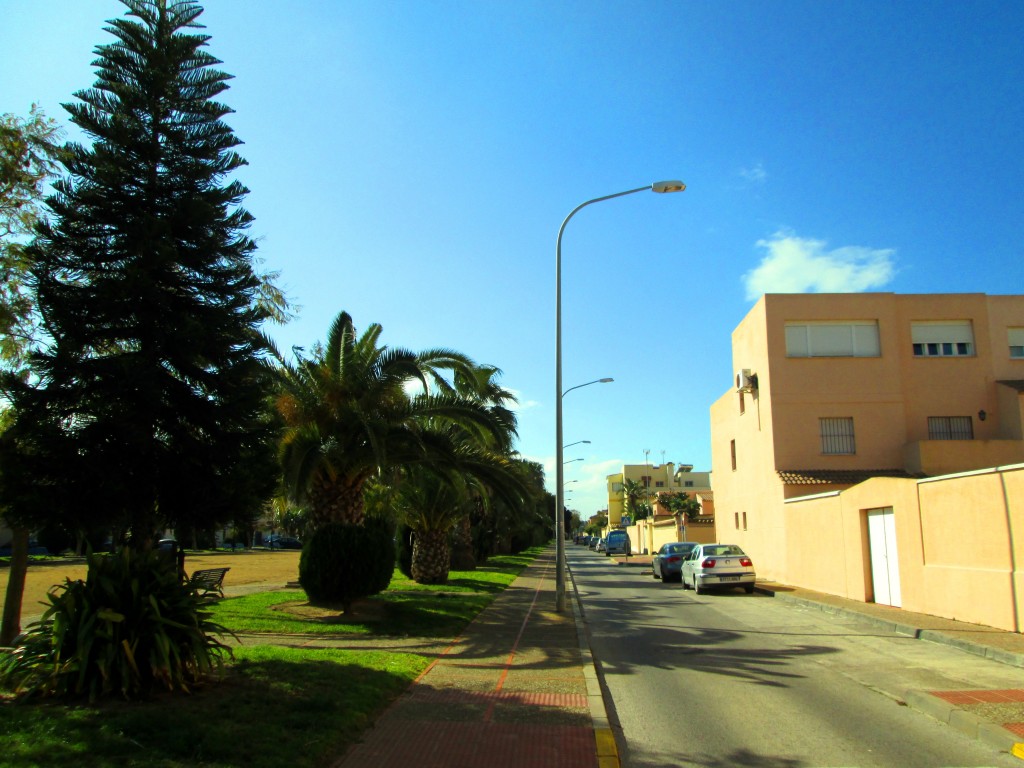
[{"x": 658, "y": 186}]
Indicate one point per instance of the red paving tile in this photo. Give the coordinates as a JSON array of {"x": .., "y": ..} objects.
[
  {"x": 470, "y": 745},
  {"x": 450, "y": 695},
  {"x": 1006, "y": 696},
  {"x": 1015, "y": 728}
]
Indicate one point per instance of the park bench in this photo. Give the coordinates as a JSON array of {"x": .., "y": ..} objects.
[{"x": 209, "y": 580}]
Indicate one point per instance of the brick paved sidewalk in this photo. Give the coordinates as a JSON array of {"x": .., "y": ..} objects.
[{"x": 512, "y": 690}]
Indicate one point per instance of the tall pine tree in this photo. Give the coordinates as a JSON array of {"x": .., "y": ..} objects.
[{"x": 148, "y": 406}]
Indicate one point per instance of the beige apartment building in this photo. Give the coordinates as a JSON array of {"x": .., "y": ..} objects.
[
  {"x": 662, "y": 527},
  {"x": 655, "y": 478},
  {"x": 840, "y": 445}
]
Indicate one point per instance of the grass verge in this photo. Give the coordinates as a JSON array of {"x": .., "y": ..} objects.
[
  {"x": 274, "y": 705},
  {"x": 404, "y": 609}
]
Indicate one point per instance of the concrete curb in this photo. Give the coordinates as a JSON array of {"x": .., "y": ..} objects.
[
  {"x": 967, "y": 723},
  {"x": 931, "y": 635},
  {"x": 604, "y": 737}
]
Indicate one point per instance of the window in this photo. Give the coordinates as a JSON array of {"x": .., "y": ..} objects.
[
  {"x": 837, "y": 436},
  {"x": 951, "y": 338},
  {"x": 744, "y": 521},
  {"x": 743, "y": 404},
  {"x": 732, "y": 450},
  {"x": 1016, "y": 342},
  {"x": 950, "y": 428},
  {"x": 659, "y": 484},
  {"x": 688, "y": 484},
  {"x": 848, "y": 339},
  {"x": 737, "y": 520}
]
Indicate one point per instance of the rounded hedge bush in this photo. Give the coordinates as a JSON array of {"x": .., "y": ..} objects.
[{"x": 342, "y": 563}]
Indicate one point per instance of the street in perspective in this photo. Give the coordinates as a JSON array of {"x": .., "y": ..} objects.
[{"x": 730, "y": 679}]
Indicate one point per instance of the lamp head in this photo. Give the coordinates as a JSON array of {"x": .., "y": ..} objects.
[
  {"x": 604, "y": 381},
  {"x": 668, "y": 186}
]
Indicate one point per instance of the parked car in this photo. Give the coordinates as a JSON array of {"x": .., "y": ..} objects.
[
  {"x": 283, "y": 542},
  {"x": 667, "y": 562},
  {"x": 601, "y": 543},
  {"x": 585, "y": 540},
  {"x": 717, "y": 565},
  {"x": 617, "y": 543}
]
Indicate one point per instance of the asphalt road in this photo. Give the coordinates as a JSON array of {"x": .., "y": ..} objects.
[{"x": 730, "y": 679}]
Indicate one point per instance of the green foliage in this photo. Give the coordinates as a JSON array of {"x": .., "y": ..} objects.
[
  {"x": 342, "y": 563},
  {"x": 152, "y": 308},
  {"x": 348, "y": 417},
  {"x": 634, "y": 495},
  {"x": 131, "y": 627},
  {"x": 28, "y": 151}
]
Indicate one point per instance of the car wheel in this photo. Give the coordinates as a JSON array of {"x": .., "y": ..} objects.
[
  {"x": 654, "y": 573},
  {"x": 748, "y": 588},
  {"x": 697, "y": 587}
]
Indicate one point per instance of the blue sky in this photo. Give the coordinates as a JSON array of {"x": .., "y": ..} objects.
[{"x": 411, "y": 161}]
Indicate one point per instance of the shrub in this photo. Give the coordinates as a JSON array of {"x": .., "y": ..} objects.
[
  {"x": 342, "y": 563},
  {"x": 130, "y": 627}
]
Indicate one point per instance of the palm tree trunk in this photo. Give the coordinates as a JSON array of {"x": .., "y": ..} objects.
[
  {"x": 462, "y": 547},
  {"x": 430, "y": 557},
  {"x": 11, "y": 626},
  {"x": 336, "y": 502}
]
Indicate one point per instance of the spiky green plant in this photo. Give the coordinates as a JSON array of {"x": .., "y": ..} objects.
[{"x": 131, "y": 627}]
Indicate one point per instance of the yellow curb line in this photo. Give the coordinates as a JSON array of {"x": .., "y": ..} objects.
[
  {"x": 1018, "y": 751},
  {"x": 607, "y": 753}
]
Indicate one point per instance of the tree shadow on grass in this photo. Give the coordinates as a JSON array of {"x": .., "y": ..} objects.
[{"x": 272, "y": 707}]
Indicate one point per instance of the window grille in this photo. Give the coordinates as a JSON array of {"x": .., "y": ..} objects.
[
  {"x": 837, "y": 436},
  {"x": 950, "y": 428}
]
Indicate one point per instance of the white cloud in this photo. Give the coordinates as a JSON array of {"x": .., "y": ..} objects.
[
  {"x": 755, "y": 175},
  {"x": 799, "y": 265}
]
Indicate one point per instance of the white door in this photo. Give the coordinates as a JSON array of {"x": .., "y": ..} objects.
[{"x": 885, "y": 565}]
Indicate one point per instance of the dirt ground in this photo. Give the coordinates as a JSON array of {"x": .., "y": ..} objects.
[{"x": 248, "y": 568}]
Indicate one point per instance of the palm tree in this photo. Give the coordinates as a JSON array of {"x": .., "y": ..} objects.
[
  {"x": 348, "y": 416},
  {"x": 432, "y": 500},
  {"x": 633, "y": 493},
  {"x": 481, "y": 386}
]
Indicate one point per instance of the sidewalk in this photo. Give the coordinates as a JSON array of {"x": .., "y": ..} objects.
[
  {"x": 518, "y": 687},
  {"x": 995, "y": 716}
]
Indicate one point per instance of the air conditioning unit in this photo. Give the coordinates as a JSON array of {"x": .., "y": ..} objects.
[{"x": 746, "y": 381}]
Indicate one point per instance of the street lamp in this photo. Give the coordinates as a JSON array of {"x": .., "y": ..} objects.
[
  {"x": 606, "y": 380},
  {"x": 570, "y": 461},
  {"x": 660, "y": 187},
  {"x": 570, "y": 445}
]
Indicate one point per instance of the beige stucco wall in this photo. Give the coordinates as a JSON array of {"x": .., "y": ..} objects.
[
  {"x": 959, "y": 539},
  {"x": 890, "y": 398}
]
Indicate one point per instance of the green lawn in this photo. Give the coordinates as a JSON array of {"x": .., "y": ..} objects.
[
  {"x": 273, "y": 705},
  {"x": 404, "y": 609}
]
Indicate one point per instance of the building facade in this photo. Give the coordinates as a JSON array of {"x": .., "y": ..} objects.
[{"x": 831, "y": 390}]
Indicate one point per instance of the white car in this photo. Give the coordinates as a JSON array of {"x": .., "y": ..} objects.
[{"x": 717, "y": 565}]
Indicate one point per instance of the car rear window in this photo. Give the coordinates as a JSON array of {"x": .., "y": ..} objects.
[{"x": 730, "y": 549}]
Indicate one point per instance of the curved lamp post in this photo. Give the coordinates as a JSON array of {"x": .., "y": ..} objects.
[{"x": 658, "y": 186}]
